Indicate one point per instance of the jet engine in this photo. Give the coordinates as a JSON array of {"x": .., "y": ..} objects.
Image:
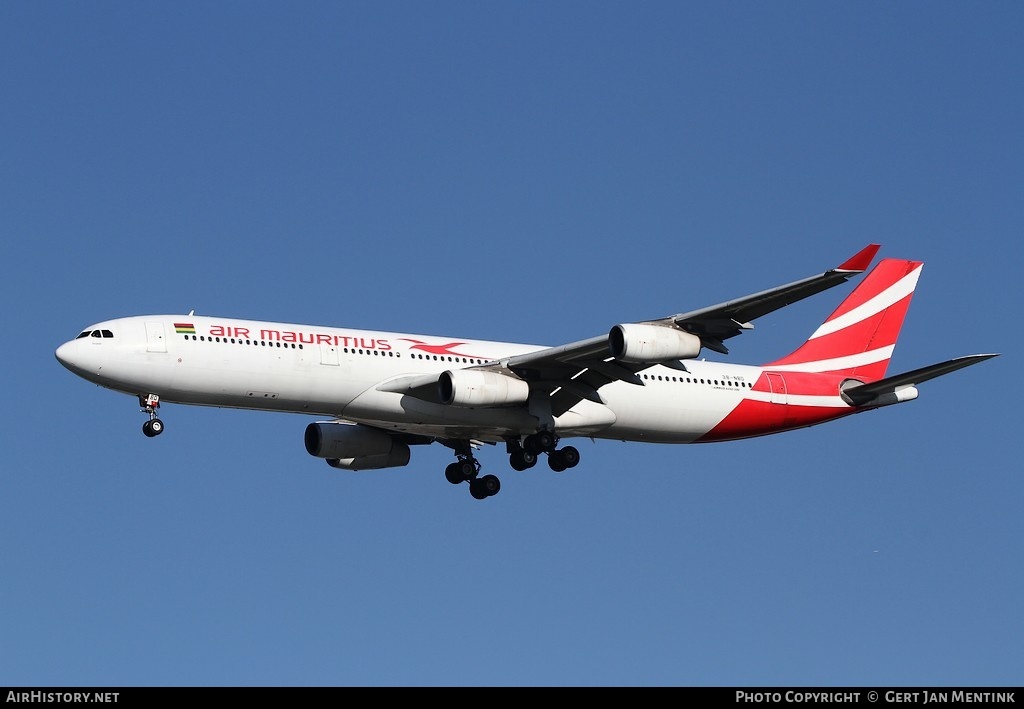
[
  {"x": 640, "y": 343},
  {"x": 467, "y": 387},
  {"x": 350, "y": 446}
]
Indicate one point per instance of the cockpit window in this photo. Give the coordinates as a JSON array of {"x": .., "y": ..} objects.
[
  {"x": 84, "y": 334},
  {"x": 97, "y": 333},
  {"x": 107, "y": 333}
]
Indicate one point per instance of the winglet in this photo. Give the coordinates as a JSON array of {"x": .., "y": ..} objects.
[{"x": 861, "y": 260}]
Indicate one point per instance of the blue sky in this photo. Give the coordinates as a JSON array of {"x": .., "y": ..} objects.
[{"x": 531, "y": 172}]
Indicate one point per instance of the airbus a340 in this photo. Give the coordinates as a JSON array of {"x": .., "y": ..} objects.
[{"x": 382, "y": 392}]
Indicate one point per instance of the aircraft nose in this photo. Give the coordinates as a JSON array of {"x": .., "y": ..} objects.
[{"x": 66, "y": 355}]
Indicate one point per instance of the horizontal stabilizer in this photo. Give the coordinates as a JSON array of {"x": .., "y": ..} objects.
[{"x": 863, "y": 393}]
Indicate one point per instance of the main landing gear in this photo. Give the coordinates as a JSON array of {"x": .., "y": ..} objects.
[
  {"x": 522, "y": 456},
  {"x": 467, "y": 469},
  {"x": 150, "y": 403}
]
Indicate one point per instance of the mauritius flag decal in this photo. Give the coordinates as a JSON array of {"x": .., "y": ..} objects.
[{"x": 184, "y": 328}]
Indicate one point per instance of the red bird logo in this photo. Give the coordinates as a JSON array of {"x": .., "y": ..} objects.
[{"x": 438, "y": 349}]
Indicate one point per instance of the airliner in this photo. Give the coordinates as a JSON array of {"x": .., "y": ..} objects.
[{"x": 379, "y": 393}]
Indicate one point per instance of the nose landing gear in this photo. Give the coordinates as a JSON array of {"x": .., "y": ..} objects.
[{"x": 150, "y": 403}]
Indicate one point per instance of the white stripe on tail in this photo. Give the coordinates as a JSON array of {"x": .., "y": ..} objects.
[{"x": 859, "y": 337}]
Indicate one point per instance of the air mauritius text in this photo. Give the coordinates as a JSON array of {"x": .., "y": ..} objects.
[
  {"x": 307, "y": 338},
  {"x": 65, "y": 697}
]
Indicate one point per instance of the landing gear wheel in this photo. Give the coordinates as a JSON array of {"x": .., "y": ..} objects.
[
  {"x": 563, "y": 459},
  {"x": 555, "y": 461},
  {"x": 491, "y": 484},
  {"x": 453, "y": 474},
  {"x": 476, "y": 489},
  {"x": 468, "y": 468},
  {"x": 570, "y": 456},
  {"x": 540, "y": 442},
  {"x": 482, "y": 488},
  {"x": 149, "y": 404},
  {"x": 522, "y": 459},
  {"x": 462, "y": 470}
]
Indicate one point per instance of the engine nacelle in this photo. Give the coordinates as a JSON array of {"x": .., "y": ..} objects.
[
  {"x": 467, "y": 387},
  {"x": 398, "y": 457},
  {"x": 353, "y": 447},
  {"x": 636, "y": 342}
]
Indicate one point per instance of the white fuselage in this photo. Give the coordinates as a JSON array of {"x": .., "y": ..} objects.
[{"x": 326, "y": 371}]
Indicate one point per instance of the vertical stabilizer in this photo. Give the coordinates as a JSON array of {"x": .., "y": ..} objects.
[{"x": 858, "y": 339}]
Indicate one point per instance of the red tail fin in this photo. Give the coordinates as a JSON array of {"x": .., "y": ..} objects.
[{"x": 859, "y": 337}]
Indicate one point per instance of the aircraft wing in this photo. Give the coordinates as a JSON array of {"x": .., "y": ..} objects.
[
  {"x": 720, "y": 322},
  {"x": 578, "y": 370}
]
